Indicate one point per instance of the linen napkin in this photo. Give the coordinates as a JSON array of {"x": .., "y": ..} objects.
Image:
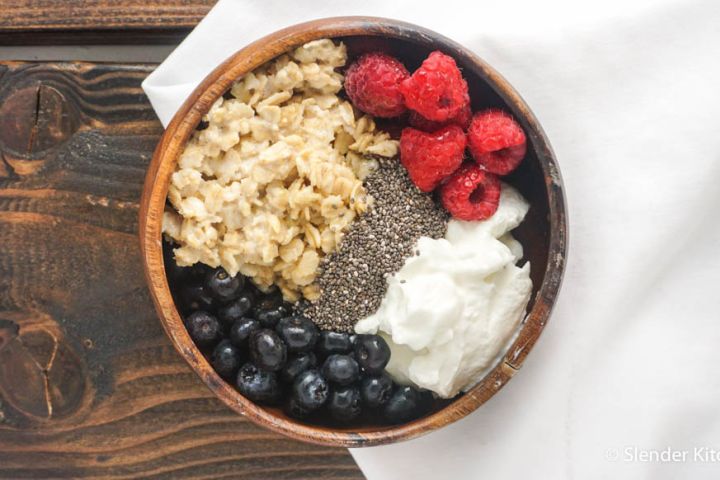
[{"x": 622, "y": 383}]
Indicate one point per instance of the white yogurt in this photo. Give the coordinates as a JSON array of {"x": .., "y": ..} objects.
[{"x": 452, "y": 309}]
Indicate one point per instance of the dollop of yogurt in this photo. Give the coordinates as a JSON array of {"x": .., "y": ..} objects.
[{"x": 452, "y": 309}]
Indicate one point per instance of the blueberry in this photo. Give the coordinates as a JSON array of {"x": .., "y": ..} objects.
[
  {"x": 258, "y": 385},
  {"x": 300, "y": 333},
  {"x": 203, "y": 328},
  {"x": 341, "y": 369},
  {"x": 193, "y": 297},
  {"x": 241, "y": 330},
  {"x": 270, "y": 318},
  {"x": 225, "y": 359},
  {"x": 222, "y": 287},
  {"x": 198, "y": 272},
  {"x": 344, "y": 403},
  {"x": 376, "y": 390},
  {"x": 236, "y": 309},
  {"x": 404, "y": 405},
  {"x": 267, "y": 350},
  {"x": 295, "y": 410},
  {"x": 333, "y": 342},
  {"x": 269, "y": 300},
  {"x": 372, "y": 353},
  {"x": 310, "y": 390},
  {"x": 295, "y": 366}
]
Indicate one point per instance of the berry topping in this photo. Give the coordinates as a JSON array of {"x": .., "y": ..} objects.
[
  {"x": 270, "y": 318},
  {"x": 203, "y": 328},
  {"x": 299, "y": 333},
  {"x": 267, "y": 350},
  {"x": 333, "y": 342},
  {"x": 341, "y": 369},
  {"x": 221, "y": 286},
  {"x": 268, "y": 301},
  {"x": 462, "y": 120},
  {"x": 241, "y": 330},
  {"x": 310, "y": 390},
  {"x": 295, "y": 410},
  {"x": 436, "y": 90},
  {"x": 373, "y": 84},
  {"x": 404, "y": 405},
  {"x": 296, "y": 365},
  {"x": 430, "y": 157},
  {"x": 193, "y": 296},
  {"x": 471, "y": 193},
  {"x": 372, "y": 353},
  {"x": 496, "y": 141},
  {"x": 375, "y": 391},
  {"x": 344, "y": 404},
  {"x": 226, "y": 359},
  {"x": 235, "y": 310},
  {"x": 258, "y": 385}
]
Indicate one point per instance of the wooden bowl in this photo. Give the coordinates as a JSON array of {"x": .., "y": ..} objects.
[{"x": 542, "y": 234}]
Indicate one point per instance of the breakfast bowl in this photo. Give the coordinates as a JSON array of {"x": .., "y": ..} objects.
[{"x": 543, "y": 233}]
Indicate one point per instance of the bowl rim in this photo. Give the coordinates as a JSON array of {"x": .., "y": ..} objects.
[{"x": 183, "y": 124}]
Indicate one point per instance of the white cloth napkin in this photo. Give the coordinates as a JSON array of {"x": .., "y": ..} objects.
[{"x": 628, "y": 93}]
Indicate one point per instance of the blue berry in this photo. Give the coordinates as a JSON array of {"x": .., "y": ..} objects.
[
  {"x": 405, "y": 404},
  {"x": 270, "y": 318},
  {"x": 221, "y": 286},
  {"x": 267, "y": 350},
  {"x": 372, "y": 353},
  {"x": 376, "y": 390},
  {"x": 204, "y": 329},
  {"x": 344, "y": 404},
  {"x": 258, "y": 385},
  {"x": 310, "y": 390},
  {"x": 341, "y": 369},
  {"x": 300, "y": 333},
  {"x": 333, "y": 342},
  {"x": 295, "y": 366},
  {"x": 225, "y": 359},
  {"x": 241, "y": 329},
  {"x": 236, "y": 309}
]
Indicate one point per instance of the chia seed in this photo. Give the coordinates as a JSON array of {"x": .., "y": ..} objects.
[{"x": 353, "y": 281}]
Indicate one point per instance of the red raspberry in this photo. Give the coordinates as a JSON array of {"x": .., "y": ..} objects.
[
  {"x": 462, "y": 120},
  {"x": 373, "y": 84},
  {"x": 496, "y": 141},
  {"x": 471, "y": 193},
  {"x": 430, "y": 157},
  {"x": 436, "y": 90}
]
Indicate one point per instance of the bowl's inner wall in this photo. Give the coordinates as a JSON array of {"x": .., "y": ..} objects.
[{"x": 533, "y": 233}]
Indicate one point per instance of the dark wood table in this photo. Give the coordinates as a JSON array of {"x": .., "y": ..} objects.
[{"x": 89, "y": 385}]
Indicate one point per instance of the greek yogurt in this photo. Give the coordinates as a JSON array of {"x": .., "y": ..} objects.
[{"x": 451, "y": 310}]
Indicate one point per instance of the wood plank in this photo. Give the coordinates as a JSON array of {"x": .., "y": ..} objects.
[
  {"x": 90, "y": 387},
  {"x": 24, "y": 22}
]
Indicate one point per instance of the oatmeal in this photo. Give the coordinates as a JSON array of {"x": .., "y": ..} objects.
[{"x": 270, "y": 186}]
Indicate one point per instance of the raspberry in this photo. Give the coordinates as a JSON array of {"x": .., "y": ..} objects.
[
  {"x": 436, "y": 90},
  {"x": 471, "y": 193},
  {"x": 496, "y": 141},
  {"x": 430, "y": 157},
  {"x": 462, "y": 120},
  {"x": 373, "y": 84}
]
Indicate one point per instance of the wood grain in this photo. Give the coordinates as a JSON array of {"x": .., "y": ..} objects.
[
  {"x": 25, "y": 22},
  {"x": 90, "y": 387},
  {"x": 543, "y": 233}
]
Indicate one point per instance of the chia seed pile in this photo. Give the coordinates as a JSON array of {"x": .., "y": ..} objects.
[{"x": 352, "y": 280}]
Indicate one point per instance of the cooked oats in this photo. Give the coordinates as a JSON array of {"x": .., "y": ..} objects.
[{"x": 269, "y": 187}]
